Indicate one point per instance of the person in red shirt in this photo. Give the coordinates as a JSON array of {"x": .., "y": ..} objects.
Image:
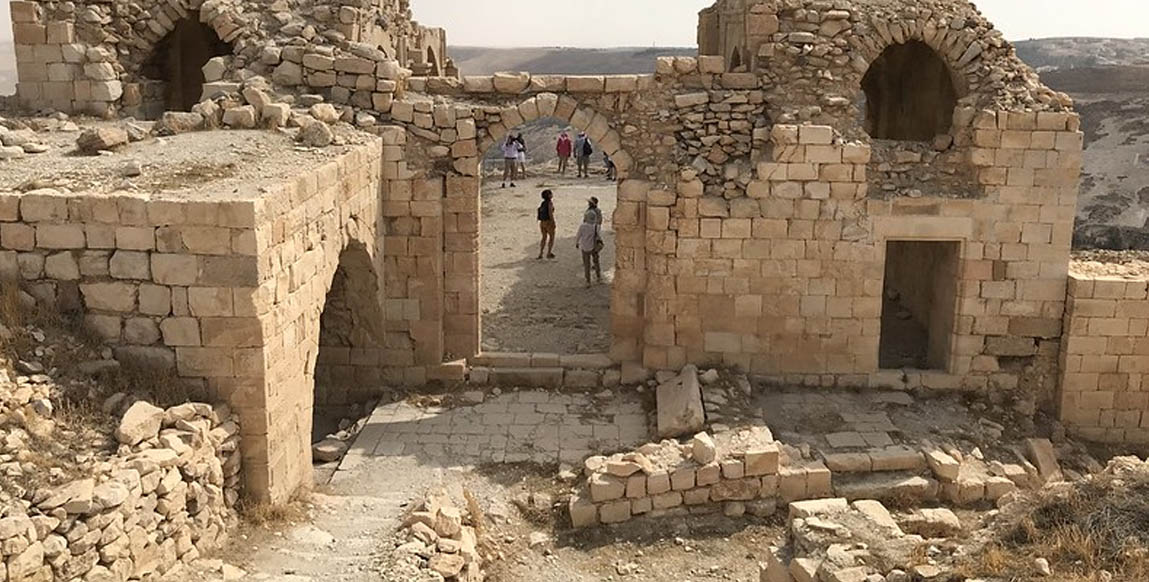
[{"x": 564, "y": 149}]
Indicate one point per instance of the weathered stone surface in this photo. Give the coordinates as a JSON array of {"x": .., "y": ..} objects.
[
  {"x": 102, "y": 138},
  {"x": 680, "y": 405},
  {"x": 141, "y": 422}
]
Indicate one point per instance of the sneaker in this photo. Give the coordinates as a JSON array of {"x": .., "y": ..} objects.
[
  {"x": 513, "y": 185},
  {"x": 550, "y": 256},
  {"x": 504, "y": 184}
]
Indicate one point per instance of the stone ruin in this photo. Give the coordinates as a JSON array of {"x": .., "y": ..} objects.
[{"x": 865, "y": 193}]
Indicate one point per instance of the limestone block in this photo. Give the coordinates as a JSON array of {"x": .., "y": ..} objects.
[
  {"x": 682, "y": 479},
  {"x": 658, "y": 483},
  {"x": 943, "y": 465},
  {"x": 141, "y": 422},
  {"x": 511, "y": 83},
  {"x": 614, "y": 512},
  {"x": 679, "y": 405},
  {"x": 586, "y": 84},
  {"x": 667, "y": 500},
  {"x": 583, "y": 513},
  {"x": 62, "y": 267},
  {"x": 119, "y": 297},
  {"x": 736, "y": 490},
  {"x": 763, "y": 461},
  {"x": 605, "y": 487},
  {"x": 697, "y": 496}
]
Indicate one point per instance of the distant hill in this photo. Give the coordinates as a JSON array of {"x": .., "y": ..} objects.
[
  {"x": 562, "y": 61},
  {"x": 1083, "y": 52}
]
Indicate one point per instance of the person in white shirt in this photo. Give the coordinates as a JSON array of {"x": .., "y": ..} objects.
[
  {"x": 589, "y": 240},
  {"x": 510, "y": 160}
]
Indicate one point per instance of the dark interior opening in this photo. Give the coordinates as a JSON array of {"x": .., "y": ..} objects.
[
  {"x": 910, "y": 94},
  {"x": 178, "y": 61},
  {"x": 348, "y": 371},
  {"x": 433, "y": 61},
  {"x": 918, "y": 302}
]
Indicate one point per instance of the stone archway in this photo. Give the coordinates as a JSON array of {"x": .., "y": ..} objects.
[
  {"x": 433, "y": 61},
  {"x": 178, "y": 59},
  {"x": 624, "y": 310},
  {"x": 910, "y": 93}
]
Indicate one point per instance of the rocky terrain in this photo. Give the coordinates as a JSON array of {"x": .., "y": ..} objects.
[{"x": 559, "y": 60}]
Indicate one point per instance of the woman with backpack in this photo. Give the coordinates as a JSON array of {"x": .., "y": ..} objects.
[
  {"x": 547, "y": 225},
  {"x": 589, "y": 240}
]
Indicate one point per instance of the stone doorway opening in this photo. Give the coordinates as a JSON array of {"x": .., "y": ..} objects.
[
  {"x": 178, "y": 59},
  {"x": 910, "y": 94},
  {"x": 348, "y": 369},
  {"x": 543, "y": 305},
  {"x": 919, "y": 302}
]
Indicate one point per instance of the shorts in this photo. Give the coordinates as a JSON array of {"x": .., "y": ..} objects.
[{"x": 547, "y": 227}]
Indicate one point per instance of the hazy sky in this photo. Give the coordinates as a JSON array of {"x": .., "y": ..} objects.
[{"x": 605, "y": 23}]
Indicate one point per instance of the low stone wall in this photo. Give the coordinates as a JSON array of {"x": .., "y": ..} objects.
[
  {"x": 169, "y": 498},
  {"x": 1105, "y": 359}
]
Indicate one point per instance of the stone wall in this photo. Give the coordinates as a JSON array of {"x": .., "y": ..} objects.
[
  {"x": 228, "y": 294},
  {"x": 1105, "y": 359}
]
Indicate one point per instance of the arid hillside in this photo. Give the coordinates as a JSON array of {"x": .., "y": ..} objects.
[{"x": 558, "y": 60}]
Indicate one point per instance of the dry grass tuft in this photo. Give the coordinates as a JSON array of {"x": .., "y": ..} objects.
[
  {"x": 273, "y": 515},
  {"x": 1101, "y": 524}
]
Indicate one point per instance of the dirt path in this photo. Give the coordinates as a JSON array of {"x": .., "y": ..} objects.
[{"x": 543, "y": 306}]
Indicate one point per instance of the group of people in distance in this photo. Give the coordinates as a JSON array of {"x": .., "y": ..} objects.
[
  {"x": 588, "y": 240},
  {"x": 581, "y": 149}
]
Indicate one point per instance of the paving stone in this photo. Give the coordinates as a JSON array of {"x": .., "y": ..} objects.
[{"x": 843, "y": 440}]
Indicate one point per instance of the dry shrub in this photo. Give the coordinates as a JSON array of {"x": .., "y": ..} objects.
[
  {"x": 1101, "y": 524},
  {"x": 476, "y": 512},
  {"x": 273, "y": 515}
]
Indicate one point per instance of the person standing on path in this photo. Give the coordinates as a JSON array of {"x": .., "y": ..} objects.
[
  {"x": 522, "y": 155},
  {"x": 589, "y": 240},
  {"x": 510, "y": 161},
  {"x": 564, "y": 148},
  {"x": 547, "y": 225},
  {"x": 583, "y": 151}
]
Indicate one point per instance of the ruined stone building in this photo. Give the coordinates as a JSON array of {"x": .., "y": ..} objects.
[{"x": 851, "y": 194}]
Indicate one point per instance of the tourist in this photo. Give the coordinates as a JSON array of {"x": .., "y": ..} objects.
[
  {"x": 583, "y": 151},
  {"x": 564, "y": 149},
  {"x": 522, "y": 155},
  {"x": 510, "y": 161},
  {"x": 589, "y": 240},
  {"x": 547, "y": 225},
  {"x": 611, "y": 170}
]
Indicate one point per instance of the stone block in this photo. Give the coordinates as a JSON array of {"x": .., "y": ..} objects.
[
  {"x": 818, "y": 507},
  {"x": 583, "y": 513},
  {"x": 533, "y": 377},
  {"x": 762, "y": 461},
  {"x": 679, "y": 403},
  {"x": 614, "y": 512},
  {"x": 605, "y": 487},
  {"x": 682, "y": 479}
]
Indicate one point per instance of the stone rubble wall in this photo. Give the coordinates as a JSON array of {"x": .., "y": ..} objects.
[
  {"x": 1105, "y": 359},
  {"x": 755, "y": 476},
  {"x": 168, "y": 500}
]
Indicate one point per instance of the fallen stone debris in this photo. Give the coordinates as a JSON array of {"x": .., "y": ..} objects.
[
  {"x": 441, "y": 544},
  {"x": 144, "y": 493}
]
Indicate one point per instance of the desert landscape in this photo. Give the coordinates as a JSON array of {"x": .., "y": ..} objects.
[{"x": 874, "y": 304}]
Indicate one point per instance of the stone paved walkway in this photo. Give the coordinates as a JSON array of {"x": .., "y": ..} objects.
[{"x": 535, "y": 426}]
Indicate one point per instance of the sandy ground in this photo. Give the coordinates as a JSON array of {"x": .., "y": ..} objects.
[{"x": 530, "y": 305}]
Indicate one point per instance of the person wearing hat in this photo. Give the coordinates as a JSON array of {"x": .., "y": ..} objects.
[{"x": 589, "y": 240}]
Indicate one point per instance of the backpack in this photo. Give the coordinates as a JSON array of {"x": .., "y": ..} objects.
[
  {"x": 544, "y": 211},
  {"x": 587, "y": 150}
]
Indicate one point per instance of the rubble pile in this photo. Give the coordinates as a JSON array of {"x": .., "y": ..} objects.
[
  {"x": 157, "y": 492},
  {"x": 18, "y": 137},
  {"x": 442, "y": 544},
  {"x": 837, "y": 541}
]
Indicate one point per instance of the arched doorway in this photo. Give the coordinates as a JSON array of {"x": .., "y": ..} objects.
[
  {"x": 348, "y": 370},
  {"x": 910, "y": 94},
  {"x": 544, "y": 305},
  {"x": 178, "y": 61}
]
